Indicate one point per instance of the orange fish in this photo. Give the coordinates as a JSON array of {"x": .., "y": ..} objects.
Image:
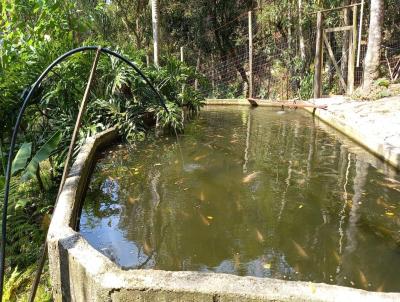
[
  {"x": 236, "y": 261},
  {"x": 260, "y": 237},
  {"x": 363, "y": 279},
  {"x": 336, "y": 256},
  {"x": 250, "y": 177},
  {"x": 133, "y": 200},
  {"x": 204, "y": 219},
  {"x": 147, "y": 248},
  {"x": 300, "y": 250},
  {"x": 197, "y": 158}
]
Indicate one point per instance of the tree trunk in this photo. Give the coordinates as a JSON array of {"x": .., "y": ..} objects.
[
  {"x": 301, "y": 36},
  {"x": 196, "y": 81},
  {"x": 155, "y": 19},
  {"x": 289, "y": 16},
  {"x": 372, "y": 58}
]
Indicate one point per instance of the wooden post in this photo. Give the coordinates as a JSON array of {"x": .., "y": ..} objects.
[
  {"x": 360, "y": 33},
  {"x": 147, "y": 60},
  {"x": 352, "y": 54},
  {"x": 250, "y": 55},
  {"x": 182, "y": 54},
  {"x": 196, "y": 81},
  {"x": 287, "y": 84},
  {"x": 81, "y": 113},
  {"x": 183, "y": 85},
  {"x": 318, "y": 58},
  {"x": 212, "y": 75},
  {"x": 156, "y": 34}
]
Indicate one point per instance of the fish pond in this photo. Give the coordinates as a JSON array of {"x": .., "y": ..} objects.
[{"x": 250, "y": 192}]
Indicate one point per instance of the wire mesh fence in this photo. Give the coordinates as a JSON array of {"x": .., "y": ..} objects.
[{"x": 278, "y": 64}]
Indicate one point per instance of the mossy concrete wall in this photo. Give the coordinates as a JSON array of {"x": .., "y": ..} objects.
[{"x": 81, "y": 273}]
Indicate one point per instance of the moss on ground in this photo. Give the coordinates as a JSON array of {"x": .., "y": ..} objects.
[
  {"x": 18, "y": 284},
  {"x": 380, "y": 89}
]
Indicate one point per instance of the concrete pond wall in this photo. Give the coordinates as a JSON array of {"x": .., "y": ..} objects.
[{"x": 81, "y": 273}]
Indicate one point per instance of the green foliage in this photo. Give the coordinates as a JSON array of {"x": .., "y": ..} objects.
[
  {"x": 383, "y": 82},
  {"x": 173, "y": 119},
  {"x": 43, "y": 154},
  {"x": 16, "y": 287},
  {"x": 377, "y": 92},
  {"x": 34, "y": 33},
  {"x": 306, "y": 86},
  {"x": 21, "y": 158}
]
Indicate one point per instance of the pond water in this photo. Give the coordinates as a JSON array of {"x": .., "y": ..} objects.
[{"x": 250, "y": 192}]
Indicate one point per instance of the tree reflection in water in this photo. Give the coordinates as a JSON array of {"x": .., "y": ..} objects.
[{"x": 258, "y": 194}]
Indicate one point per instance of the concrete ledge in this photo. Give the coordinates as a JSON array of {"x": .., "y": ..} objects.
[
  {"x": 81, "y": 273},
  {"x": 375, "y": 124},
  {"x": 241, "y": 102},
  {"x": 238, "y": 102}
]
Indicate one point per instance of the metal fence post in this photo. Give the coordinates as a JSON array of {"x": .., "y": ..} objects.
[
  {"x": 182, "y": 54},
  {"x": 250, "y": 55},
  {"x": 352, "y": 53},
  {"x": 318, "y": 58},
  {"x": 212, "y": 76},
  {"x": 182, "y": 59}
]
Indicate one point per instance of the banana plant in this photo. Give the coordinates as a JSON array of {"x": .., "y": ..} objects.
[
  {"x": 19, "y": 162},
  {"x": 22, "y": 157},
  {"x": 31, "y": 170}
]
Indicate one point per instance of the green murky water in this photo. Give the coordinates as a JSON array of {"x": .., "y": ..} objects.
[{"x": 249, "y": 192}]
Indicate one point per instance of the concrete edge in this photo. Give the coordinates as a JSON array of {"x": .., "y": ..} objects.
[
  {"x": 355, "y": 135},
  {"x": 238, "y": 102},
  {"x": 81, "y": 273}
]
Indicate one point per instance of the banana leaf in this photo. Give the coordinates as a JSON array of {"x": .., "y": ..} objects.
[
  {"x": 2, "y": 183},
  {"x": 20, "y": 160},
  {"x": 43, "y": 154}
]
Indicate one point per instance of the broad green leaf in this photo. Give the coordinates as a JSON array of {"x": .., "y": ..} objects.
[
  {"x": 20, "y": 160},
  {"x": 43, "y": 154},
  {"x": 2, "y": 183}
]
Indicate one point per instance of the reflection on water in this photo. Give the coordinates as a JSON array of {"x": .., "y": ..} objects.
[{"x": 253, "y": 193}]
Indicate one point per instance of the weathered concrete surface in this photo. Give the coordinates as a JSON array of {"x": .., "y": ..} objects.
[
  {"x": 81, "y": 273},
  {"x": 239, "y": 102},
  {"x": 66, "y": 277},
  {"x": 373, "y": 124},
  {"x": 93, "y": 277}
]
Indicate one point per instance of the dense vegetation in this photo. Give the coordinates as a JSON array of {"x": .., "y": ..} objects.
[{"x": 35, "y": 32}]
